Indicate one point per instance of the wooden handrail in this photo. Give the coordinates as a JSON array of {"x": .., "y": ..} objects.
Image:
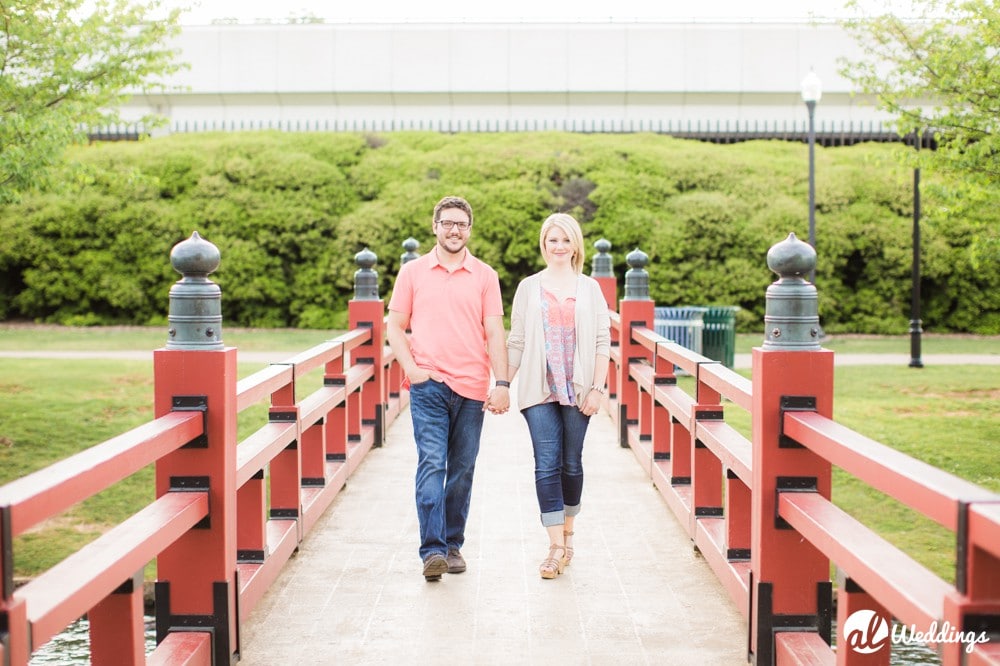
[
  {"x": 923, "y": 487},
  {"x": 258, "y": 386},
  {"x": 910, "y": 591},
  {"x": 257, "y": 450},
  {"x": 52, "y": 490},
  {"x": 101, "y": 566}
]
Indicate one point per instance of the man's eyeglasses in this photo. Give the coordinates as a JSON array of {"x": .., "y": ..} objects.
[{"x": 448, "y": 224}]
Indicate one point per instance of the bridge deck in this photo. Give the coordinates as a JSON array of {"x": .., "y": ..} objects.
[{"x": 637, "y": 591}]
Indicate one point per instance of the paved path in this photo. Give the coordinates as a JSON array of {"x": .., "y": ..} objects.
[{"x": 636, "y": 593}]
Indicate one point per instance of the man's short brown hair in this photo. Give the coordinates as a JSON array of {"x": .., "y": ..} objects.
[{"x": 452, "y": 202}]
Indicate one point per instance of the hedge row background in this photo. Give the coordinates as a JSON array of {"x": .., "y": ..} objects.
[{"x": 289, "y": 211}]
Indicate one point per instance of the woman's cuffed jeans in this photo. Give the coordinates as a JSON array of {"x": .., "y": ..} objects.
[
  {"x": 557, "y": 433},
  {"x": 447, "y": 428}
]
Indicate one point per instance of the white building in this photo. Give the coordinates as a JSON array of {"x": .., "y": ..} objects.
[{"x": 695, "y": 77}]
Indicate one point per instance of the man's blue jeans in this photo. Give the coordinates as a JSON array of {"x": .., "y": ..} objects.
[
  {"x": 557, "y": 433},
  {"x": 446, "y": 427}
]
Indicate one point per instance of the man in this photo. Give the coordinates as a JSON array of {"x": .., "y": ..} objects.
[{"x": 451, "y": 303}]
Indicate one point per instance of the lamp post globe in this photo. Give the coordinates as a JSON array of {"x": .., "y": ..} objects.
[
  {"x": 812, "y": 92},
  {"x": 812, "y": 88}
]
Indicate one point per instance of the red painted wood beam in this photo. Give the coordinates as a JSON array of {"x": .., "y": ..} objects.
[
  {"x": 321, "y": 402},
  {"x": 925, "y": 488},
  {"x": 358, "y": 375},
  {"x": 804, "y": 648},
  {"x": 183, "y": 648},
  {"x": 985, "y": 654},
  {"x": 728, "y": 383},
  {"x": 257, "y": 450},
  {"x": 356, "y": 338},
  {"x": 52, "y": 490},
  {"x": 643, "y": 375},
  {"x": 102, "y": 565},
  {"x": 676, "y": 401},
  {"x": 909, "y": 591},
  {"x": 733, "y": 449},
  {"x": 319, "y": 355},
  {"x": 984, "y": 527},
  {"x": 260, "y": 385},
  {"x": 256, "y": 578}
]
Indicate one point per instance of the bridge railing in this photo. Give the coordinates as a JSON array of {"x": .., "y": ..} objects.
[
  {"x": 759, "y": 509},
  {"x": 228, "y": 513}
]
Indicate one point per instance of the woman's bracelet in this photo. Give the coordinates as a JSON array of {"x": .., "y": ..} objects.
[
  {"x": 599, "y": 389},
  {"x": 501, "y": 382}
]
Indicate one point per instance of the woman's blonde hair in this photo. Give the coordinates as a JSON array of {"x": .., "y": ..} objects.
[{"x": 568, "y": 225}]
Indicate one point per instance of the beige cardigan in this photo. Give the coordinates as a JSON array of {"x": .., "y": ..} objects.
[{"x": 526, "y": 342}]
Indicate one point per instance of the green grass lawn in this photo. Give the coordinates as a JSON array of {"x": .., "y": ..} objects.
[
  {"x": 947, "y": 416},
  {"x": 890, "y": 344},
  {"x": 30, "y": 337}
]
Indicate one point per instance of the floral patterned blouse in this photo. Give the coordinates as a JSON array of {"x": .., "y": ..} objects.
[{"x": 559, "y": 324}]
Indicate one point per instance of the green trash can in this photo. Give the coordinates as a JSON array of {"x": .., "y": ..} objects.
[
  {"x": 683, "y": 325},
  {"x": 718, "y": 340}
]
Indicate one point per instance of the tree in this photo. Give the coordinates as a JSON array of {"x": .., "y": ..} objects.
[
  {"x": 65, "y": 65},
  {"x": 938, "y": 73}
]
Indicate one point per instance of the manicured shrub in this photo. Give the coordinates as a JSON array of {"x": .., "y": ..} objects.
[{"x": 289, "y": 211}]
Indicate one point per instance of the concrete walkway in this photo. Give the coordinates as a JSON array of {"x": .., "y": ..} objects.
[{"x": 636, "y": 593}]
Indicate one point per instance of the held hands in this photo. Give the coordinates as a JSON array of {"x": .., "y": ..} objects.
[
  {"x": 498, "y": 400},
  {"x": 592, "y": 403}
]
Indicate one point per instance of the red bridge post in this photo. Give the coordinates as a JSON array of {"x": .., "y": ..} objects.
[
  {"x": 117, "y": 626},
  {"x": 367, "y": 310},
  {"x": 973, "y": 607},
  {"x": 602, "y": 270},
  {"x": 790, "y": 578},
  {"x": 196, "y": 588},
  {"x": 636, "y": 311}
]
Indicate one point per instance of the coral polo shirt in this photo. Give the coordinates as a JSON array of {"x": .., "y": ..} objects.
[{"x": 447, "y": 310}]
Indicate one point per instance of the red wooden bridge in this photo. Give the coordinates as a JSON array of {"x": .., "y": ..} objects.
[{"x": 253, "y": 563}]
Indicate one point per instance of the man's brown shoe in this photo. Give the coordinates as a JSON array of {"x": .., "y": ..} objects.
[
  {"x": 456, "y": 563},
  {"x": 434, "y": 566}
]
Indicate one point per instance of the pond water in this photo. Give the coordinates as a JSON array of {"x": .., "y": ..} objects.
[{"x": 72, "y": 646}]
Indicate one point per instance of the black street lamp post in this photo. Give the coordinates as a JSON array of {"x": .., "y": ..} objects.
[
  {"x": 812, "y": 91},
  {"x": 915, "y": 328}
]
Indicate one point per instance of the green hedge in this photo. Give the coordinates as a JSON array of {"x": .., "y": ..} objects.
[{"x": 289, "y": 211}]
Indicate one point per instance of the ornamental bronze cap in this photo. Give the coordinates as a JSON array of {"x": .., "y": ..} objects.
[
  {"x": 791, "y": 319},
  {"x": 195, "y": 315}
]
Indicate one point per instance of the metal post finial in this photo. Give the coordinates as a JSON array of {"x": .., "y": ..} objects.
[
  {"x": 791, "y": 317},
  {"x": 602, "y": 265},
  {"x": 195, "y": 315},
  {"x": 365, "y": 279},
  {"x": 410, "y": 245},
  {"x": 636, "y": 277}
]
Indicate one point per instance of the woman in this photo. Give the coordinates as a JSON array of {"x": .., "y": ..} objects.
[{"x": 560, "y": 341}]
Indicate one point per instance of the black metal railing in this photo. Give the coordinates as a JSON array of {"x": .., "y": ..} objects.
[{"x": 828, "y": 133}]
